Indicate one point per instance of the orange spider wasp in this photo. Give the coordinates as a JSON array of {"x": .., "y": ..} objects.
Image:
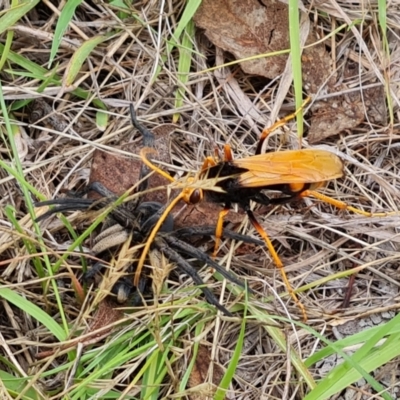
[{"x": 293, "y": 173}]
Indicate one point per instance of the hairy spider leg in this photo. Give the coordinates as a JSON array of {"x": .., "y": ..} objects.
[
  {"x": 209, "y": 230},
  {"x": 192, "y": 251},
  {"x": 192, "y": 273}
]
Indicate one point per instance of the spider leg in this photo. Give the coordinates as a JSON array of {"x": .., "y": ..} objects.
[
  {"x": 90, "y": 275},
  {"x": 125, "y": 291},
  {"x": 67, "y": 201},
  {"x": 67, "y": 204},
  {"x": 185, "y": 267},
  {"x": 124, "y": 214},
  {"x": 122, "y": 290},
  {"x": 149, "y": 213},
  {"x": 71, "y": 204},
  {"x": 210, "y": 231},
  {"x": 95, "y": 186},
  {"x": 201, "y": 256},
  {"x": 148, "y": 136},
  {"x": 100, "y": 189}
]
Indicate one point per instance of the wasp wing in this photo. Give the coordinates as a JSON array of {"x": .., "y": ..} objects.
[{"x": 289, "y": 167}]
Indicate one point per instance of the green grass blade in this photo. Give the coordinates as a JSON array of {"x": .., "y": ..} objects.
[
  {"x": 220, "y": 394},
  {"x": 367, "y": 358},
  {"x": 14, "y": 386},
  {"x": 41, "y": 73},
  {"x": 15, "y": 13},
  {"x": 79, "y": 58},
  {"x": 295, "y": 53},
  {"x": 62, "y": 24},
  {"x": 349, "y": 341},
  {"x": 186, "y": 18},
  {"x": 185, "y": 62},
  {"x": 101, "y": 120},
  {"x": 34, "y": 311}
]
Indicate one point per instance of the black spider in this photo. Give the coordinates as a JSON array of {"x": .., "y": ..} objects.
[{"x": 138, "y": 220}]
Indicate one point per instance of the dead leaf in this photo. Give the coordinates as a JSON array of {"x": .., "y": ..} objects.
[
  {"x": 201, "y": 371},
  {"x": 333, "y": 117},
  {"x": 316, "y": 65},
  {"x": 346, "y": 111},
  {"x": 247, "y": 28}
]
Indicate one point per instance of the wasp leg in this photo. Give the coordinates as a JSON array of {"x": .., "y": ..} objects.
[
  {"x": 185, "y": 267},
  {"x": 283, "y": 121},
  {"x": 208, "y": 162},
  {"x": 228, "y": 155},
  {"x": 342, "y": 205},
  {"x": 276, "y": 259},
  {"x": 220, "y": 227}
]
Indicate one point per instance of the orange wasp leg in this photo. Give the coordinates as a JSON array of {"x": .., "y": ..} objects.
[
  {"x": 219, "y": 229},
  {"x": 277, "y": 261},
  {"x": 281, "y": 122},
  {"x": 228, "y": 155},
  {"x": 342, "y": 205},
  {"x": 208, "y": 162}
]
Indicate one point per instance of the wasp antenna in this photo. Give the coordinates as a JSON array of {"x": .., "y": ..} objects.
[
  {"x": 152, "y": 236},
  {"x": 148, "y": 163}
]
